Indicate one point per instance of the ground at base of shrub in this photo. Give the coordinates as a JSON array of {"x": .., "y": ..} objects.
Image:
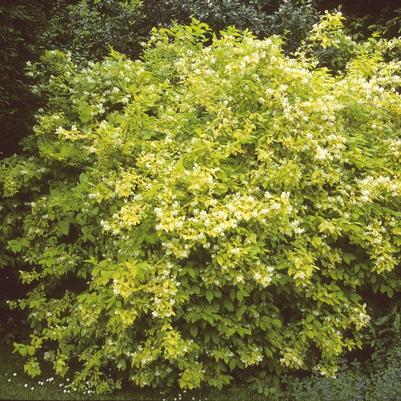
[
  {"x": 353, "y": 383},
  {"x": 16, "y": 385}
]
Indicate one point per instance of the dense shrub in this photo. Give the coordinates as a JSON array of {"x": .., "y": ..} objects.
[{"x": 207, "y": 214}]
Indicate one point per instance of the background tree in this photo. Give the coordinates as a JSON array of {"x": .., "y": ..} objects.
[
  {"x": 20, "y": 23},
  {"x": 88, "y": 29}
]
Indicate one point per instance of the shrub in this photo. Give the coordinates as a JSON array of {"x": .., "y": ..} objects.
[{"x": 206, "y": 214}]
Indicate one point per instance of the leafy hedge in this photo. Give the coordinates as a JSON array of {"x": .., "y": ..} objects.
[{"x": 212, "y": 212}]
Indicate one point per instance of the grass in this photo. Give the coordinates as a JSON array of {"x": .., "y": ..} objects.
[{"x": 16, "y": 385}]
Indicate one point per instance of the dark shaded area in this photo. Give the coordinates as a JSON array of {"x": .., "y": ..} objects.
[
  {"x": 361, "y": 8},
  {"x": 20, "y": 23},
  {"x": 12, "y": 321},
  {"x": 89, "y": 29},
  {"x": 370, "y": 15}
]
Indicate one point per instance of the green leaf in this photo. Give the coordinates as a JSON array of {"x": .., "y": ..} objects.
[
  {"x": 64, "y": 227},
  {"x": 84, "y": 111},
  {"x": 193, "y": 329},
  {"x": 348, "y": 257},
  {"x": 32, "y": 368},
  {"x": 209, "y": 295},
  {"x": 228, "y": 304}
]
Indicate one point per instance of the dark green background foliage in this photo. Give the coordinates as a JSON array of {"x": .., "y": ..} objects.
[
  {"x": 89, "y": 29},
  {"x": 260, "y": 16},
  {"x": 20, "y": 22}
]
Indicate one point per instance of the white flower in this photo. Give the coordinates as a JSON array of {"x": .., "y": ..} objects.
[
  {"x": 322, "y": 154},
  {"x": 235, "y": 251},
  {"x": 365, "y": 195}
]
